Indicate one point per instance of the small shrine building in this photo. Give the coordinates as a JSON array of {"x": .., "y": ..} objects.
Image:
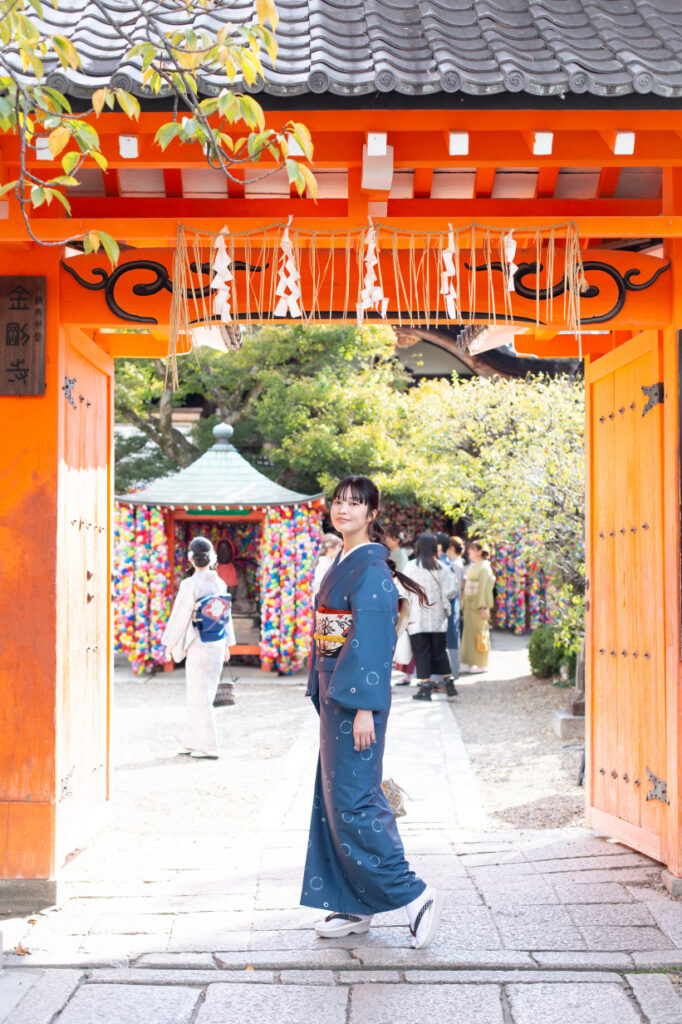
[{"x": 268, "y": 532}]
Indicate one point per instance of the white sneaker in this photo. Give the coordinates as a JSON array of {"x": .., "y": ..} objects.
[
  {"x": 427, "y": 917},
  {"x": 465, "y": 668},
  {"x": 335, "y": 926}
]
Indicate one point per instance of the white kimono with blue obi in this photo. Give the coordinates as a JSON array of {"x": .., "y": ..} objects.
[{"x": 356, "y": 862}]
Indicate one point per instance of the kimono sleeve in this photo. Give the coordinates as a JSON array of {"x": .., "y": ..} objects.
[
  {"x": 485, "y": 589},
  {"x": 362, "y": 674},
  {"x": 180, "y": 618}
]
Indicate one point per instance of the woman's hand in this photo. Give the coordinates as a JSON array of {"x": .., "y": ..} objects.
[
  {"x": 168, "y": 655},
  {"x": 363, "y": 729},
  {"x": 484, "y": 613}
]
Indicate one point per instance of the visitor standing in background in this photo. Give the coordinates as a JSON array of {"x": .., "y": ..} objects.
[
  {"x": 399, "y": 555},
  {"x": 428, "y": 624},
  {"x": 477, "y": 601},
  {"x": 182, "y": 638},
  {"x": 455, "y": 552},
  {"x": 330, "y": 546}
]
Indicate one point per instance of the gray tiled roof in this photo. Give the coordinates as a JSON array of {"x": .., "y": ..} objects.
[
  {"x": 220, "y": 477},
  {"x": 418, "y": 47}
]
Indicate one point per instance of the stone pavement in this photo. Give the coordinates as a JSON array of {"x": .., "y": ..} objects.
[{"x": 177, "y": 928}]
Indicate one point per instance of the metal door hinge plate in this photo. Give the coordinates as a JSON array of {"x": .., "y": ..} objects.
[
  {"x": 659, "y": 788},
  {"x": 655, "y": 396}
]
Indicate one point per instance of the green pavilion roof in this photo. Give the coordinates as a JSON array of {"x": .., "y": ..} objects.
[{"x": 220, "y": 478}]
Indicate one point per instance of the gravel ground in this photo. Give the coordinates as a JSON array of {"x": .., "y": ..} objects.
[{"x": 526, "y": 775}]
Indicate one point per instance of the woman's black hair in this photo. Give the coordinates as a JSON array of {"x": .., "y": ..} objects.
[
  {"x": 427, "y": 551},
  {"x": 443, "y": 539},
  {"x": 201, "y": 551},
  {"x": 364, "y": 490}
]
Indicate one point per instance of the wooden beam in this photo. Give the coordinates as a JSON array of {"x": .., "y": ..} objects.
[
  {"x": 484, "y": 181},
  {"x": 608, "y": 182},
  {"x": 235, "y": 189},
  {"x": 546, "y": 183},
  {"x": 423, "y": 181},
  {"x": 112, "y": 186},
  {"x": 172, "y": 180},
  {"x": 165, "y": 228}
]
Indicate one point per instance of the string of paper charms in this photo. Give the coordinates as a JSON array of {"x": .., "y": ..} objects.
[{"x": 372, "y": 295}]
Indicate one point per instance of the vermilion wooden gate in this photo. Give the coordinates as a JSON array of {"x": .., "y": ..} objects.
[{"x": 626, "y": 698}]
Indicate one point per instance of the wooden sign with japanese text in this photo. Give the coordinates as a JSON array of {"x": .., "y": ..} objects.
[{"x": 22, "y": 335}]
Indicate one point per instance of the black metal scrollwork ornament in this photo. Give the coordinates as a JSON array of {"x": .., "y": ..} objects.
[
  {"x": 162, "y": 281},
  {"x": 624, "y": 283}
]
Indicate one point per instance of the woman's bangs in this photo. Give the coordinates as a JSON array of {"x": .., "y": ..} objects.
[{"x": 349, "y": 489}]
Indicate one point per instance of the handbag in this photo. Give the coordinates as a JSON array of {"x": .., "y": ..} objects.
[
  {"x": 394, "y": 794},
  {"x": 224, "y": 695},
  {"x": 483, "y": 640}
]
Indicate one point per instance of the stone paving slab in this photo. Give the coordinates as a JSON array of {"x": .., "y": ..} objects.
[
  {"x": 368, "y": 977},
  {"x": 177, "y": 961},
  {"x": 131, "y": 1004},
  {"x": 657, "y": 959},
  {"x": 620, "y": 914},
  {"x": 388, "y": 1004},
  {"x": 627, "y": 939},
  {"x": 657, "y": 997},
  {"x": 414, "y": 958},
  {"x": 307, "y": 978},
  {"x": 14, "y": 984},
  {"x": 200, "y": 978},
  {"x": 572, "y": 1004},
  {"x": 592, "y": 892},
  {"x": 50, "y": 994},
  {"x": 539, "y": 927},
  {"x": 518, "y": 892},
  {"x": 668, "y": 917},
  {"x": 512, "y": 977},
  {"x": 259, "y": 1004},
  {"x": 585, "y": 961},
  {"x": 340, "y": 959}
]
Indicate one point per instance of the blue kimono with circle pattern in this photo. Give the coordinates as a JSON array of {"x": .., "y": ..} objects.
[{"x": 356, "y": 861}]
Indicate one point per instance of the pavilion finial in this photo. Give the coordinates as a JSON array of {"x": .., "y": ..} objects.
[{"x": 222, "y": 433}]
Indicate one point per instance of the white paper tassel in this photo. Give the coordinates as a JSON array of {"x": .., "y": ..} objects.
[
  {"x": 372, "y": 295},
  {"x": 448, "y": 276},
  {"x": 509, "y": 254},
  {"x": 221, "y": 285},
  {"x": 288, "y": 280}
]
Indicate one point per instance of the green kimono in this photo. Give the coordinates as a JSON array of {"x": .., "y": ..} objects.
[{"x": 477, "y": 593}]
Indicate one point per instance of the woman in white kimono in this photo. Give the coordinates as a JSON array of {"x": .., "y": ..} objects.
[{"x": 203, "y": 660}]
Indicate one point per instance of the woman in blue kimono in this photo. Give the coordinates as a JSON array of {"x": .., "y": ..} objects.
[{"x": 356, "y": 864}]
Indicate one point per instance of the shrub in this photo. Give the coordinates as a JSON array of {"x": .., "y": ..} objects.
[{"x": 544, "y": 655}]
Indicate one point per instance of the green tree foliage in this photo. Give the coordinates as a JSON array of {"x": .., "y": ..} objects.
[
  {"x": 307, "y": 400},
  {"x": 138, "y": 462},
  {"x": 172, "y": 63}
]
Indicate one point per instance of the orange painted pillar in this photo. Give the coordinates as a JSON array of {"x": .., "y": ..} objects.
[{"x": 47, "y": 783}]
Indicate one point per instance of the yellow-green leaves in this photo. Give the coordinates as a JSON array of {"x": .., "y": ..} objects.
[
  {"x": 266, "y": 11},
  {"x": 58, "y": 139},
  {"x": 166, "y": 133},
  {"x": 128, "y": 103},
  {"x": 66, "y": 52},
  {"x": 93, "y": 240}
]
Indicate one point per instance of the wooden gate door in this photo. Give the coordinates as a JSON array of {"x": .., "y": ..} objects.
[
  {"x": 84, "y": 594},
  {"x": 626, "y": 725}
]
